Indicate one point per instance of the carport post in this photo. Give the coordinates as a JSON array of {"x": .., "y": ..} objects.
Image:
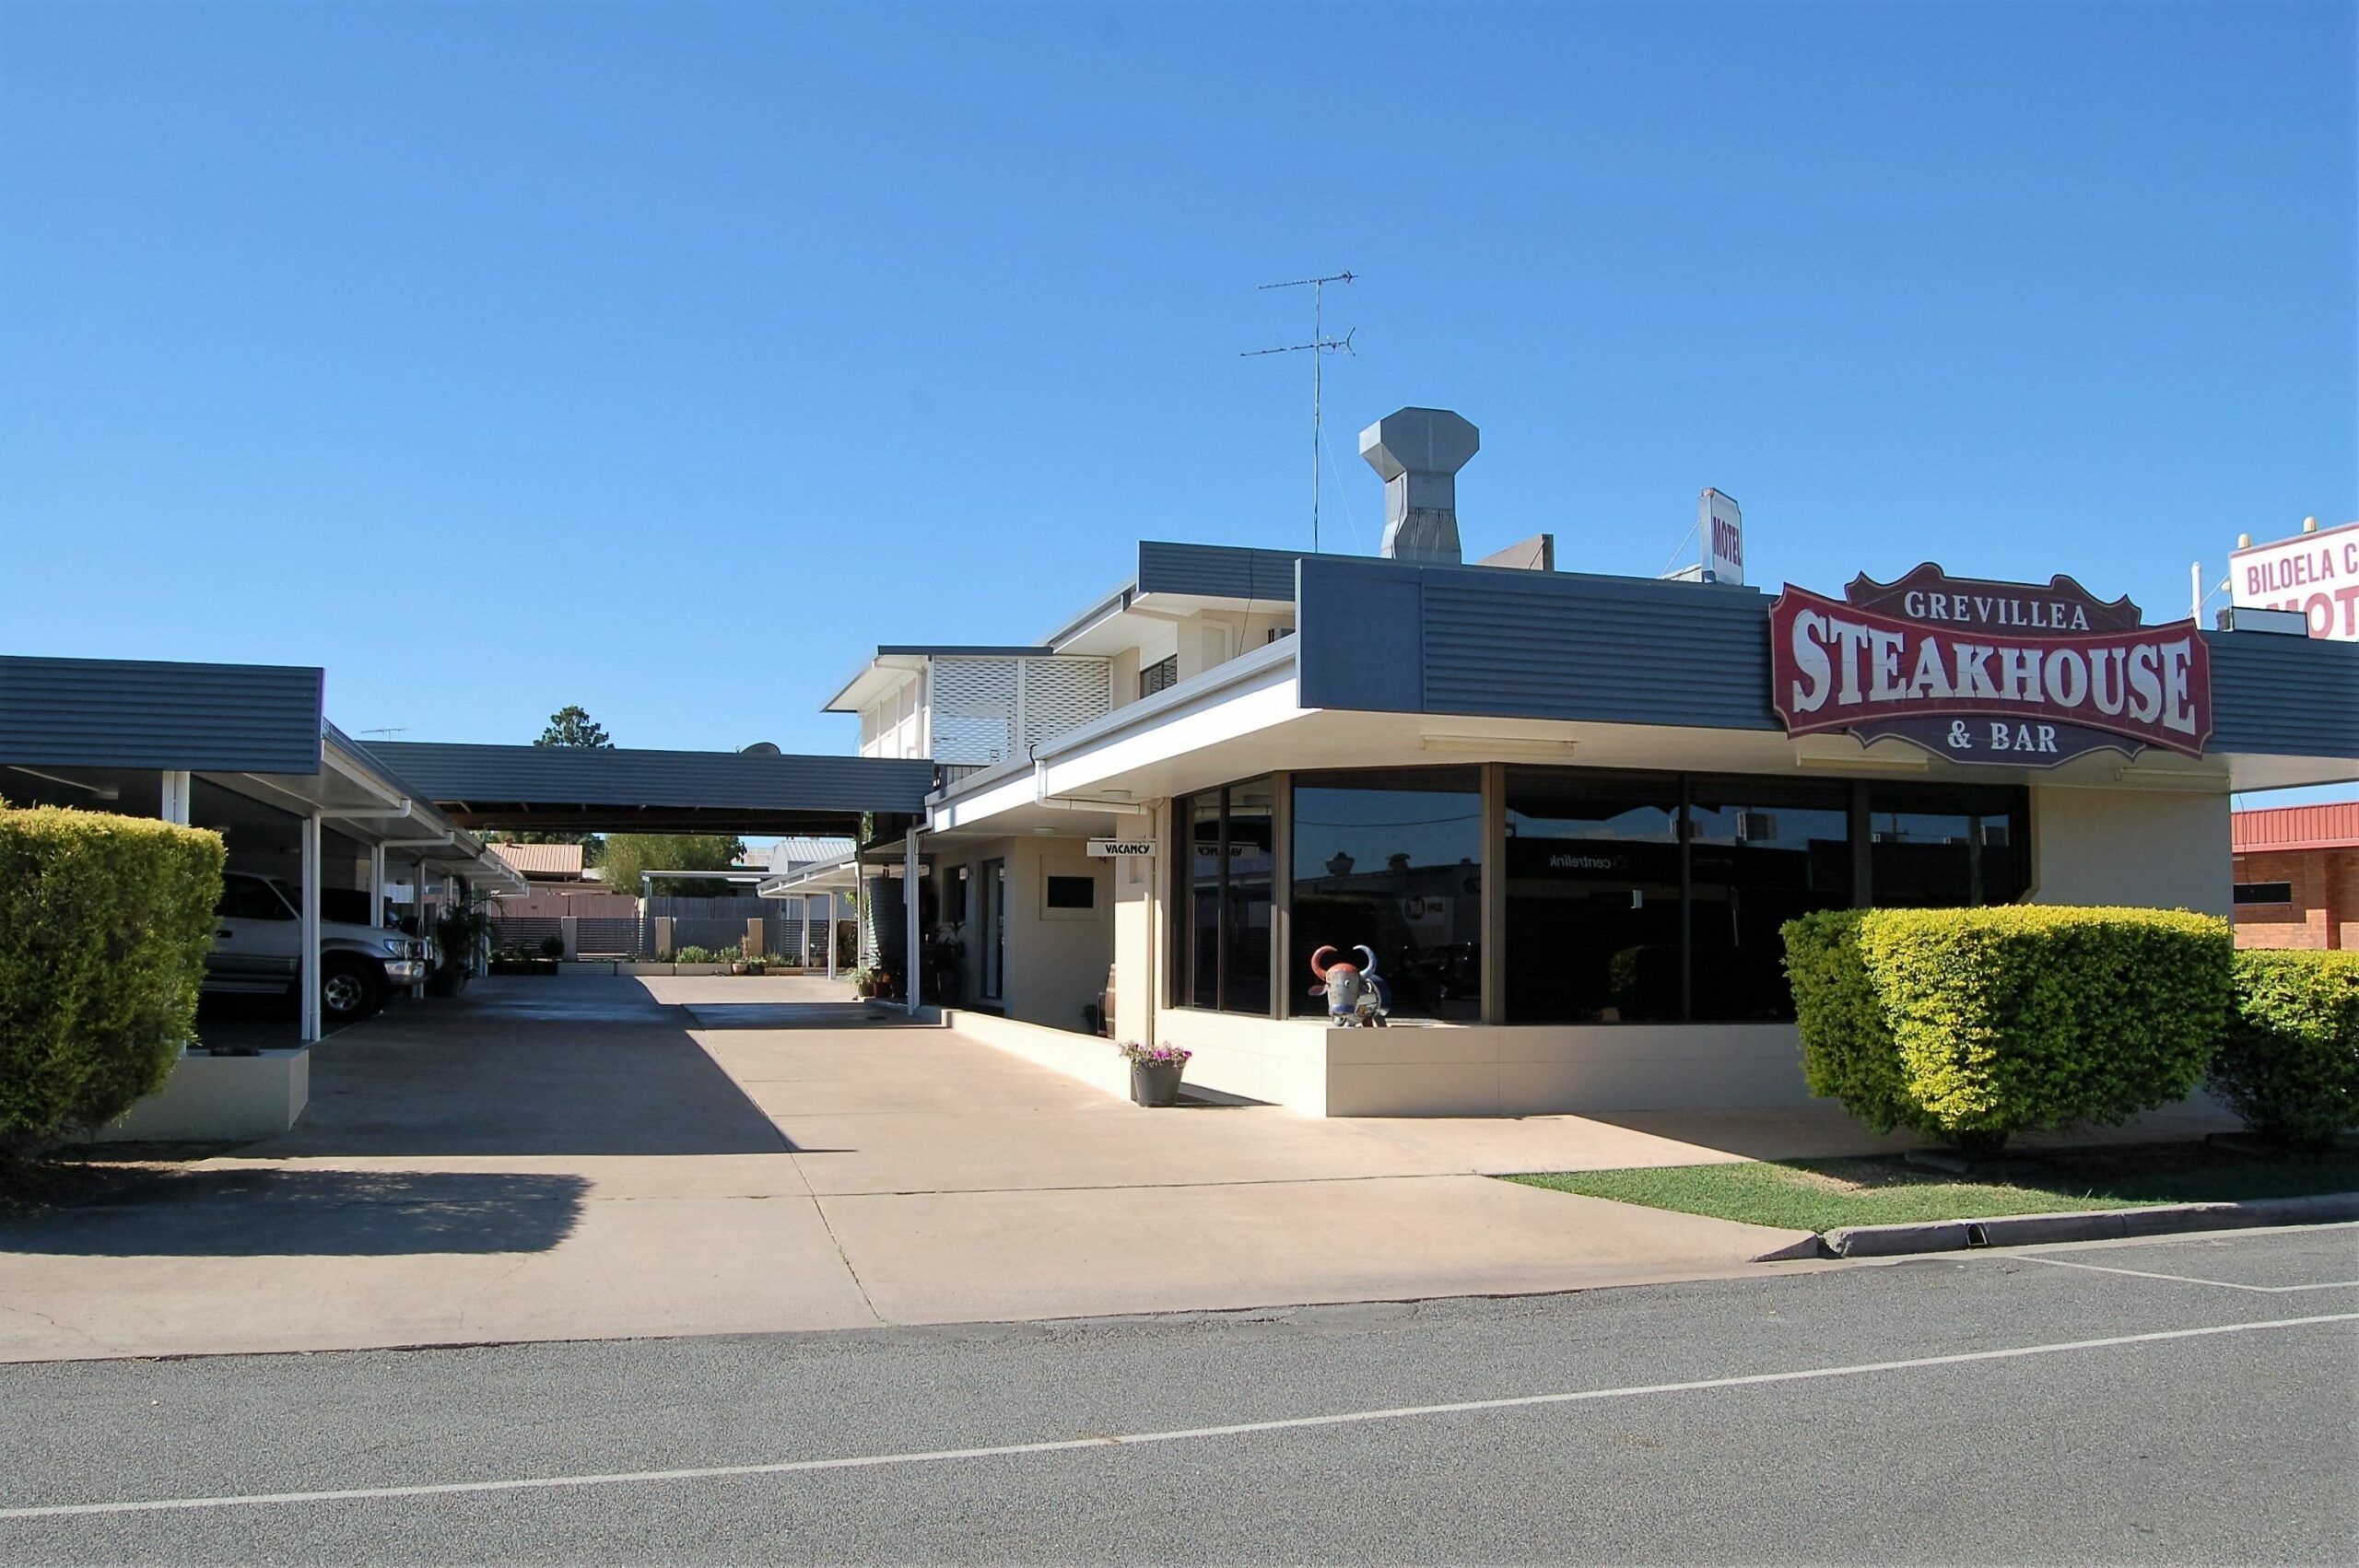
[
  {"x": 830, "y": 937},
  {"x": 311, "y": 916},
  {"x": 377, "y": 885},
  {"x": 910, "y": 910},
  {"x": 418, "y": 918},
  {"x": 175, "y": 802}
]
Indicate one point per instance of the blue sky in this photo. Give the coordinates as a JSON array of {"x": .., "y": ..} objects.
[{"x": 667, "y": 358}]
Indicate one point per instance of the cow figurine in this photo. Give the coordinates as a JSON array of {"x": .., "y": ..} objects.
[{"x": 1355, "y": 993}]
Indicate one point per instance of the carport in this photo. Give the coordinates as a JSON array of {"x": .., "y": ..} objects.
[
  {"x": 871, "y": 800},
  {"x": 244, "y": 749}
]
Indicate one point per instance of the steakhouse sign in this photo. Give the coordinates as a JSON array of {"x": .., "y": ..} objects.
[{"x": 2008, "y": 672}]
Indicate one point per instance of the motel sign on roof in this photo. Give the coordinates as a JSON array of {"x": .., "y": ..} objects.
[{"x": 2316, "y": 574}]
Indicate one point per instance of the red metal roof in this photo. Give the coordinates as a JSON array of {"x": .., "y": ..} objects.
[
  {"x": 542, "y": 859},
  {"x": 2332, "y": 826}
]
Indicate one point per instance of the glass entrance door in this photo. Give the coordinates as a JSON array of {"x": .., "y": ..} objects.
[{"x": 993, "y": 913}]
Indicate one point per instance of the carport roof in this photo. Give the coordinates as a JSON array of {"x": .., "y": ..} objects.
[
  {"x": 153, "y": 713},
  {"x": 622, "y": 790}
]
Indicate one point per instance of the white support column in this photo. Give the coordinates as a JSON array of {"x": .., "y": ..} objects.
[
  {"x": 830, "y": 908},
  {"x": 310, "y": 935},
  {"x": 176, "y": 788},
  {"x": 418, "y": 918},
  {"x": 376, "y": 884},
  {"x": 909, "y": 912}
]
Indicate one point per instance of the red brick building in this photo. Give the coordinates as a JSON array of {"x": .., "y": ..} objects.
[{"x": 2297, "y": 876}]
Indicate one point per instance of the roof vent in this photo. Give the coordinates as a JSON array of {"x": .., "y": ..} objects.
[{"x": 1419, "y": 452}]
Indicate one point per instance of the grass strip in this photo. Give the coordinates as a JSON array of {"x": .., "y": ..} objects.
[{"x": 1823, "y": 1195}]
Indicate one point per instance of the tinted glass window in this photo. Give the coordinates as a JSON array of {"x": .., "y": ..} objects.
[
  {"x": 1072, "y": 892},
  {"x": 2264, "y": 893},
  {"x": 1222, "y": 939},
  {"x": 1592, "y": 870},
  {"x": 1201, "y": 976},
  {"x": 250, "y": 899},
  {"x": 1760, "y": 853},
  {"x": 1391, "y": 861},
  {"x": 1246, "y": 912},
  {"x": 1946, "y": 846}
]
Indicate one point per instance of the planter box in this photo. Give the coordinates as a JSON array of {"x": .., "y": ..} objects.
[
  {"x": 211, "y": 1099},
  {"x": 699, "y": 968},
  {"x": 1156, "y": 1083},
  {"x": 645, "y": 968}
]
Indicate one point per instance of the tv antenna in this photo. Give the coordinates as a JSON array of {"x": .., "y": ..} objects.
[
  {"x": 1318, "y": 347},
  {"x": 389, "y": 732}
]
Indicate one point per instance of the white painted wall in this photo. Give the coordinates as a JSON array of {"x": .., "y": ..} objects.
[
  {"x": 1451, "y": 1070},
  {"x": 214, "y": 1098},
  {"x": 2143, "y": 847},
  {"x": 1056, "y": 959}
]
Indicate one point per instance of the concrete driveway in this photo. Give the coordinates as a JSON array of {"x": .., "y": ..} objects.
[{"x": 576, "y": 1158}]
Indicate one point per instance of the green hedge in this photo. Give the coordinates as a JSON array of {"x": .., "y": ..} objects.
[
  {"x": 101, "y": 953},
  {"x": 1847, "y": 1053},
  {"x": 2289, "y": 1061},
  {"x": 1970, "y": 1025}
]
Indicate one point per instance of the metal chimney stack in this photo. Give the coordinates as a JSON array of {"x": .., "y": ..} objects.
[{"x": 1419, "y": 452}]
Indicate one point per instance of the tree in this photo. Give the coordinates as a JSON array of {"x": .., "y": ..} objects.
[
  {"x": 629, "y": 854},
  {"x": 572, "y": 726}
]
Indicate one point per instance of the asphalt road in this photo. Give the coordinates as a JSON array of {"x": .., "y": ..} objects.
[{"x": 2189, "y": 1401}]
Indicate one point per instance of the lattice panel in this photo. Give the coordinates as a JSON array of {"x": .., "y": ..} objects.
[
  {"x": 974, "y": 710},
  {"x": 1060, "y": 694}
]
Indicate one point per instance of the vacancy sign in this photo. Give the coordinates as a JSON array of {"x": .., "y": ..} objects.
[
  {"x": 2316, "y": 574},
  {"x": 1122, "y": 848}
]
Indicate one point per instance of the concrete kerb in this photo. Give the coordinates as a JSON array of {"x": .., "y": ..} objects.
[{"x": 2091, "y": 1225}]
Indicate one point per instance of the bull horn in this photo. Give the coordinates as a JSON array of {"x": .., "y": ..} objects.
[
  {"x": 1369, "y": 968},
  {"x": 1316, "y": 972}
]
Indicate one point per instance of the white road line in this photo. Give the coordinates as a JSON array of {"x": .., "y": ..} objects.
[
  {"x": 2189, "y": 1278},
  {"x": 1182, "y": 1435}
]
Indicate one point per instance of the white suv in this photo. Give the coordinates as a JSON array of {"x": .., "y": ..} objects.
[{"x": 257, "y": 951}]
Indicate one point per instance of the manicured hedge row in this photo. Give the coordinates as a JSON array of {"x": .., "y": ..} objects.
[
  {"x": 2289, "y": 1063},
  {"x": 1970, "y": 1025},
  {"x": 104, "y": 923}
]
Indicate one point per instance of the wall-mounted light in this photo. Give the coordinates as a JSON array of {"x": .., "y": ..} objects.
[
  {"x": 2177, "y": 777},
  {"x": 1501, "y": 745},
  {"x": 99, "y": 791},
  {"x": 1864, "y": 764}
]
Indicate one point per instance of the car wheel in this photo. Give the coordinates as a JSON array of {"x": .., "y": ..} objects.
[{"x": 350, "y": 989}]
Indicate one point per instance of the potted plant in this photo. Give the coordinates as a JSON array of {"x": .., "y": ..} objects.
[
  {"x": 1155, "y": 1072},
  {"x": 462, "y": 932},
  {"x": 864, "y": 982}
]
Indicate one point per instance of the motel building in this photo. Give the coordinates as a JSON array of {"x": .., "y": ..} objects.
[{"x": 1564, "y": 813}]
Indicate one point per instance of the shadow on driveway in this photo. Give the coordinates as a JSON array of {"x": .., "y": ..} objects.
[
  {"x": 266, "y": 1214},
  {"x": 524, "y": 1065}
]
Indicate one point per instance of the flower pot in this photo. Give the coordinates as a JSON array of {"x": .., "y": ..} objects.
[{"x": 1156, "y": 1082}]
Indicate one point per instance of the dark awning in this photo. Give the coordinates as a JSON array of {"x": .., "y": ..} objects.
[{"x": 581, "y": 790}]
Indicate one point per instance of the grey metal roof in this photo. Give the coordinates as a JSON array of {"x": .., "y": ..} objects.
[
  {"x": 143, "y": 713},
  {"x": 1400, "y": 637},
  {"x": 804, "y": 849},
  {"x": 1390, "y": 636},
  {"x": 2283, "y": 695},
  {"x": 968, "y": 650},
  {"x": 1222, "y": 571},
  {"x": 733, "y": 792}
]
